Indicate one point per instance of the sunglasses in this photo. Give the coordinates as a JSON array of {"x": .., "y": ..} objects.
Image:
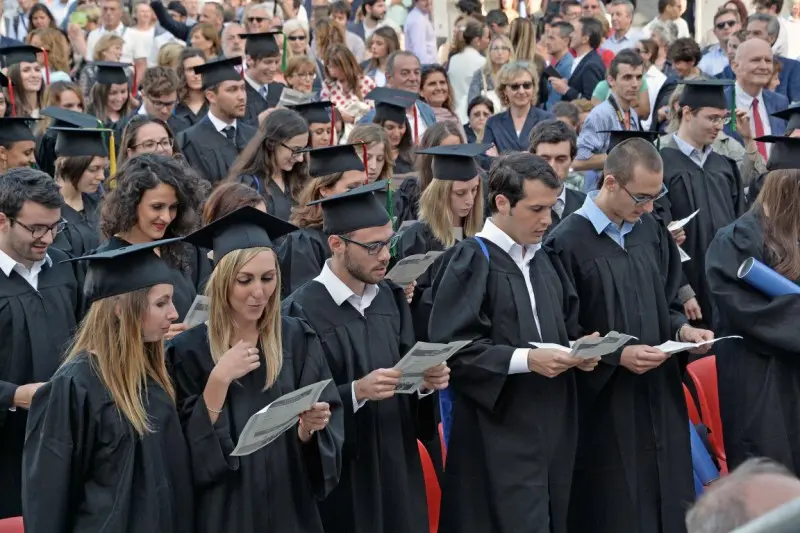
[
  {"x": 726, "y": 24},
  {"x": 297, "y": 37},
  {"x": 517, "y": 86},
  {"x": 256, "y": 19}
]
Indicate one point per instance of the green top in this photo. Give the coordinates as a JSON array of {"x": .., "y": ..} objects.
[{"x": 602, "y": 89}]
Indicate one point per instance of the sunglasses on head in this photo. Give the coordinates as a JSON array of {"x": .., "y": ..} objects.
[
  {"x": 726, "y": 24},
  {"x": 525, "y": 85}
]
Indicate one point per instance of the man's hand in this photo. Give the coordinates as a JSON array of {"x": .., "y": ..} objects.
[
  {"x": 550, "y": 363},
  {"x": 23, "y": 396},
  {"x": 408, "y": 290},
  {"x": 436, "y": 378},
  {"x": 679, "y": 235},
  {"x": 692, "y": 310},
  {"x": 743, "y": 125},
  {"x": 377, "y": 385},
  {"x": 640, "y": 358},
  {"x": 559, "y": 85},
  {"x": 690, "y": 334}
]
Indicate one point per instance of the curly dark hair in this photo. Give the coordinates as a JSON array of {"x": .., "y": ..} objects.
[
  {"x": 186, "y": 53},
  {"x": 142, "y": 173}
]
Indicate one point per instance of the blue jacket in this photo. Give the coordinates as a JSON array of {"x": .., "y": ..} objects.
[
  {"x": 425, "y": 114},
  {"x": 500, "y": 131},
  {"x": 773, "y": 102},
  {"x": 789, "y": 78}
]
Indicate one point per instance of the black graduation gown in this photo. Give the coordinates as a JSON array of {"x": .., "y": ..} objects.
[
  {"x": 409, "y": 192},
  {"x": 46, "y": 152},
  {"x": 717, "y": 191},
  {"x": 573, "y": 200},
  {"x": 189, "y": 117},
  {"x": 758, "y": 376},
  {"x": 257, "y": 105},
  {"x": 87, "y": 470},
  {"x": 209, "y": 152},
  {"x": 301, "y": 256},
  {"x": 633, "y": 469},
  {"x": 512, "y": 440},
  {"x": 35, "y": 328},
  {"x": 186, "y": 283},
  {"x": 381, "y": 489},
  {"x": 82, "y": 234},
  {"x": 277, "y": 487},
  {"x": 279, "y": 202}
]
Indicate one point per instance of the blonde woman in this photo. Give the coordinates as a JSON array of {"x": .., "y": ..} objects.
[
  {"x": 523, "y": 40},
  {"x": 108, "y": 48},
  {"x": 296, "y": 34},
  {"x": 301, "y": 74},
  {"x": 242, "y": 359},
  {"x": 105, "y": 444},
  {"x": 450, "y": 209},
  {"x": 484, "y": 80},
  {"x": 303, "y": 253}
]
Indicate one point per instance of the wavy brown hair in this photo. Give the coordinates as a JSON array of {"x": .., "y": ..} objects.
[
  {"x": 338, "y": 55},
  {"x": 57, "y": 46},
  {"x": 143, "y": 173},
  {"x": 326, "y": 34},
  {"x": 52, "y": 98},
  {"x": 434, "y": 136},
  {"x": 430, "y": 70},
  {"x": 110, "y": 335},
  {"x": 392, "y": 41},
  {"x": 778, "y": 205},
  {"x": 226, "y": 198},
  {"x": 372, "y": 134}
]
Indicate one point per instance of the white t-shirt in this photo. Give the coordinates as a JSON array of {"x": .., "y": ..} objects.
[{"x": 139, "y": 44}]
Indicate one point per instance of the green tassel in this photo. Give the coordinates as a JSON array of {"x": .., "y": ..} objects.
[
  {"x": 283, "y": 57},
  {"x": 733, "y": 108}
]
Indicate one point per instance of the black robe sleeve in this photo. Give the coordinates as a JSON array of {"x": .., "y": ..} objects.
[{"x": 301, "y": 257}]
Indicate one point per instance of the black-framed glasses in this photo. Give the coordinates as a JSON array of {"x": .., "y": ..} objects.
[
  {"x": 296, "y": 152},
  {"x": 640, "y": 199},
  {"x": 38, "y": 231},
  {"x": 162, "y": 105},
  {"x": 725, "y": 24},
  {"x": 150, "y": 144},
  {"x": 373, "y": 248}
]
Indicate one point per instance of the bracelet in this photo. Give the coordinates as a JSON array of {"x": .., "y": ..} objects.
[{"x": 216, "y": 412}]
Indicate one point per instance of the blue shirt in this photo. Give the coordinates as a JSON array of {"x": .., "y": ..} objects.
[
  {"x": 564, "y": 67},
  {"x": 628, "y": 40},
  {"x": 698, "y": 157},
  {"x": 603, "y": 224},
  {"x": 714, "y": 61}
]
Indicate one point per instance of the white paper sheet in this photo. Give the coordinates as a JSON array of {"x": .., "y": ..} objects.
[
  {"x": 281, "y": 415},
  {"x": 419, "y": 359},
  {"x": 198, "y": 312},
  {"x": 678, "y": 224},
  {"x": 591, "y": 347},
  {"x": 410, "y": 268},
  {"x": 671, "y": 347},
  {"x": 684, "y": 256}
]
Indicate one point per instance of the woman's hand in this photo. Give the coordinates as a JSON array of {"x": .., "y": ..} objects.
[
  {"x": 175, "y": 329},
  {"x": 315, "y": 419},
  {"x": 238, "y": 361}
]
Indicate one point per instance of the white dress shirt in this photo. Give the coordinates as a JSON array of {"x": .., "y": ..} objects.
[
  {"x": 575, "y": 63},
  {"x": 257, "y": 86},
  {"x": 219, "y": 124},
  {"x": 561, "y": 204},
  {"x": 522, "y": 257},
  {"x": 745, "y": 102},
  {"x": 8, "y": 265},
  {"x": 420, "y": 123},
  {"x": 655, "y": 80},
  {"x": 461, "y": 69}
]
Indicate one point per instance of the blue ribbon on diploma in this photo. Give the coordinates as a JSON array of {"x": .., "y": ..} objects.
[
  {"x": 761, "y": 277},
  {"x": 705, "y": 471}
]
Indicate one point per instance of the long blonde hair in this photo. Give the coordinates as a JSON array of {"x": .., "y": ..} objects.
[
  {"x": 434, "y": 210},
  {"x": 222, "y": 329},
  {"x": 111, "y": 335}
]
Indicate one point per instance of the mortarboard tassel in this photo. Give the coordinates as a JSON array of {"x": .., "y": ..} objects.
[
  {"x": 134, "y": 90},
  {"x": 112, "y": 154},
  {"x": 333, "y": 124},
  {"x": 243, "y": 67},
  {"x": 365, "y": 158},
  {"x": 284, "y": 55},
  {"x": 46, "y": 67},
  {"x": 733, "y": 108},
  {"x": 11, "y": 97},
  {"x": 416, "y": 125}
]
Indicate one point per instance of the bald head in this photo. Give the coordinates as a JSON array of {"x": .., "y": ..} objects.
[
  {"x": 753, "y": 65},
  {"x": 753, "y": 47}
]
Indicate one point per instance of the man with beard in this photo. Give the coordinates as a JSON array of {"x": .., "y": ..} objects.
[
  {"x": 40, "y": 306},
  {"x": 364, "y": 324},
  {"x": 213, "y": 144},
  {"x": 373, "y": 16}
]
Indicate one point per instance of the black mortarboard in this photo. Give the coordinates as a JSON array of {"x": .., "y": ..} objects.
[
  {"x": 455, "y": 162},
  {"x": 261, "y": 44},
  {"x": 705, "y": 93},
  {"x": 336, "y": 158},
  {"x": 353, "y": 210},
  {"x": 72, "y": 142},
  {"x": 111, "y": 73},
  {"x": 617, "y": 136},
  {"x": 3, "y": 80},
  {"x": 126, "y": 269},
  {"x": 19, "y": 54},
  {"x": 215, "y": 72},
  {"x": 67, "y": 118},
  {"x": 791, "y": 115},
  {"x": 15, "y": 129},
  {"x": 315, "y": 112},
  {"x": 785, "y": 153},
  {"x": 247, "y": 227},
  {"x": 391, "y": 104}
]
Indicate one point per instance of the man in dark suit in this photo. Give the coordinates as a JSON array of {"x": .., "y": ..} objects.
[
  {"x": 159, "y": 98},
  {"x": 766, "y": 27},
  {"x": 555, "y": 142},
  {"x": 263, "y": 57},
  {"x": 753, "y": 68},
  {"x": 588, "y": 68}
]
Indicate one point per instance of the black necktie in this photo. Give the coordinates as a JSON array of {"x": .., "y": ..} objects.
[{"x": 230, "y": 133}]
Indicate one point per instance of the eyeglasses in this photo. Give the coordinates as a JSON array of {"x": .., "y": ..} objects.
[
  {"x": 373, "y": 248},
  {"x": 725, "y": 24},
  {"x": 717, "y": 120},
  {"x": 297, "y": 37},
  {"x": 162, "y": 105},
  {"x": 296, "y": 152},
  {"x": 39, "y": 231},
  {"x": 256, "y": 19},
  {"x": 640, "y": 199},
  {"x": 310, "y": 75},
  {"x": 164, "y": 144},
  {"x": 517, "y": 86}
]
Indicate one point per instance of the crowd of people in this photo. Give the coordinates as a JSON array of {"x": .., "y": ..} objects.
[{"x": 281, "y": 157}]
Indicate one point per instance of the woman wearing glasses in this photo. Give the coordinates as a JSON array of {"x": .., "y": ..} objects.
[
  {"x": 146, "y": 135},
  {"x": 510, "y": 130},
  {"x": 301, "y": 74},
  {"x": 274, "y": 161}
]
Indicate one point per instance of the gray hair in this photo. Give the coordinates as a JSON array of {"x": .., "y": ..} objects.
[
  {"x": 628, "y": 5},
  {"x": 773, "y": 26},
  {"x": 393, "y": 59},
  {"x": 665, "y": 31},
  {"x": 722, "y": 509}
]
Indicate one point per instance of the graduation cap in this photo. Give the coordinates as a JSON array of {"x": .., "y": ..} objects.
[
  {"x": 261, "y": 44},
  {"x": 215, "y": 72},
  {"x": 20, "y": 53},
  {"x": 316, "y": 112},
  {"x": 111, "y": 73},
  {"x": 67, "y": 118},
  {"x": 354, "y": 210},
  {"x": 337, "y": 158},
  {"x": 617, "y": 136},
  {"x": 706, "y": 93},
  {"x": 72, "y": 142},
  {"x": 15, "y": 129},
  {"x": 126, "y": 269},
  {"x": 391, "y": 104},
  {"x": 785, "y": 154},
  {"x": 455, "y": 162},
  {"x": 791, "y": 115},
  {"x": 247, "y": 227}
]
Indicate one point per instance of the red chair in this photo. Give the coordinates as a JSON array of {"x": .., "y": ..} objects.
[
  {"x": 12, "y": 525},
  {"x": 441, "y": 442},
  {"x": 694, "y": 414},
  {"x": 432, "y": 490},
  {"x": 704, "y": 375}
]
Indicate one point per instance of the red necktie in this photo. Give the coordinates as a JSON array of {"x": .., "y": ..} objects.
[
  {"x": 759, "y": 127},
  {"x": 627, "y": 120}
]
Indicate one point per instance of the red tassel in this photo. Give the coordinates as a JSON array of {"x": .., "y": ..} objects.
[
  {"x": 46, "y": 67},
  {"x": 11, "y": 97},
  {"x": 333, "y": 124},
  {"x": 135, "y": 90},
  {"x": 366, "y": 169},
  {"x": 416, "y": 126}
]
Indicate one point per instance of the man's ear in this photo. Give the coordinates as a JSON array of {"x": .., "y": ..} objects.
[{"x": 336, "y": 244}]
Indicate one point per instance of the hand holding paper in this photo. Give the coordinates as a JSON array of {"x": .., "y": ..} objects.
[
  {"x": 591, "y": 347},
  {"x": 417, "y": 364},
  {"x": 410, "y": 268},
  {"x": 671, "y": 347}
]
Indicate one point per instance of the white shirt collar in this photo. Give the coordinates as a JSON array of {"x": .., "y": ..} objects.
[
  {"x": 491, "y": 232},
  {"x": 744, "y": 100},
  {"x": 563, "y": 194},
  {"x": 341, "y": 293},
  {"x": 218, "y": 123},
  {"x": 8, "y": 265}
]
